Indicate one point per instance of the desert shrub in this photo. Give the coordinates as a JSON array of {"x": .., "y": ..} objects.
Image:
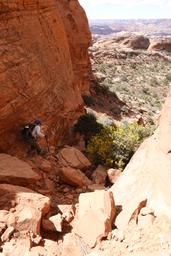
[
  {"x": 154, "y": 82},
  {"x": 168, "y": 77},
  {"x": 101, "y": 89},
  {"x": 145, "y": 90},
  {"x": 88, "y": 126},
  {"x": 124, "y": 78},
  {"x": 114, "y": 146},
  {"x": 88, "y": 100},
  {"x": 103, "y": 68},
  {"x": 116, "y": 111}
]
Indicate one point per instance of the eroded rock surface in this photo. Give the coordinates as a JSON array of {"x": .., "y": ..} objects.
[{"x": 44, "y": 66}]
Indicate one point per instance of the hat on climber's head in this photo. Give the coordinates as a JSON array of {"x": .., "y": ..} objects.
[{"x": 38, "y": 122}]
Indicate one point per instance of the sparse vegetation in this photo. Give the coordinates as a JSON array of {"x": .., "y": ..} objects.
[{"x": 137, "y": 79}]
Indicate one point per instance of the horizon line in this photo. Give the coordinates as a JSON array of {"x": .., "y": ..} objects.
[{"x": 129, "y": 19}]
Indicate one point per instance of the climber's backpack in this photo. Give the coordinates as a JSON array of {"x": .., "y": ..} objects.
[{"x": 26, "y": 131}]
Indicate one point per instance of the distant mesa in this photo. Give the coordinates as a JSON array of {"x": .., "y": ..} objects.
[
  {"x": 103, "y": 30},
  {"x": 133, "y": 41},
  {"x": 126, "y": 40}
]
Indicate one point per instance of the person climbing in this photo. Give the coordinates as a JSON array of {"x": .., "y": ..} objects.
[{"x": 31, "y": 133}]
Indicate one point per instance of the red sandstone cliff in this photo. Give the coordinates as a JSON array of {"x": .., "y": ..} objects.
[{"x": 44, "y": 65}]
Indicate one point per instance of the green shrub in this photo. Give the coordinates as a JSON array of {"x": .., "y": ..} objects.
[
  {"x": 88, "y": 126},
  {"x": 88, "y": 100},
  {"x": 154, "y": 82},
  {"x": 101, "y": 89},
  {"x": 114, "y": 146},
  {"x": 116, "y": 110}
]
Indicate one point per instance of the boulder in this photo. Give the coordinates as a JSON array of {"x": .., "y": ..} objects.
[
  {"x": 16, "y": 171},
  {"x": 71, "y": 246},
  {"x": 54, "y": 223},
  {"x": 26, "y": 207},
  {"x": 42, "y": 164},
  {"x": 73, "y": 177},
  {"x": 113, "y": 175},
  {"x": 19, "y": 247},
  {"x": 67, "y": 211},
  {"x": 147, "y": 177},
  {"x": 98, "y": 210},
  {"x": 70, "y": 156},
  {"x": 99, "y": 175},
  {"x": 3, "y": 226},
  {"x": 7, "y": 234},
  {"x": 4, "y": 216},
  {"x": 26, "y": 218},
  {"x": 52, "y": 248},
  {"x": 94, "y": 187},
  {"x": 49, "y": 248}
]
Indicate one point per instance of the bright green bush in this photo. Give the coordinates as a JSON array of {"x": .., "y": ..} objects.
[{"x": 114, "y": 146}]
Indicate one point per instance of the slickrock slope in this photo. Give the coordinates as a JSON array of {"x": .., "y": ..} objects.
[
  {"x": 43, "y": 53},
  {"x": 146, "y": 179}
]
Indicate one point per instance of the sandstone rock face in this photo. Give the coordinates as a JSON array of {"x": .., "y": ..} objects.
[
  {"x": 95, "y": 216},
  {"x": 148, "y": 175},
  {"x": 76, "y": 23},
  {"x": 44, "y": 66},
  {"x": 15, "y": 171},
  {"x": 161, "y": 45}
]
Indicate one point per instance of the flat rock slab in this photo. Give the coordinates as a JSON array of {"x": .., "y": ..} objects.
[
  {"x": 73, "y": 177},
  {"x": 70, "y": 156},
  {"x": 16, "y": 171},
  {"x": 95, "y": 216}
]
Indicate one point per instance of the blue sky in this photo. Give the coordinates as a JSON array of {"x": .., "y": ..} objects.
[{"x": 127, "y": 9}]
